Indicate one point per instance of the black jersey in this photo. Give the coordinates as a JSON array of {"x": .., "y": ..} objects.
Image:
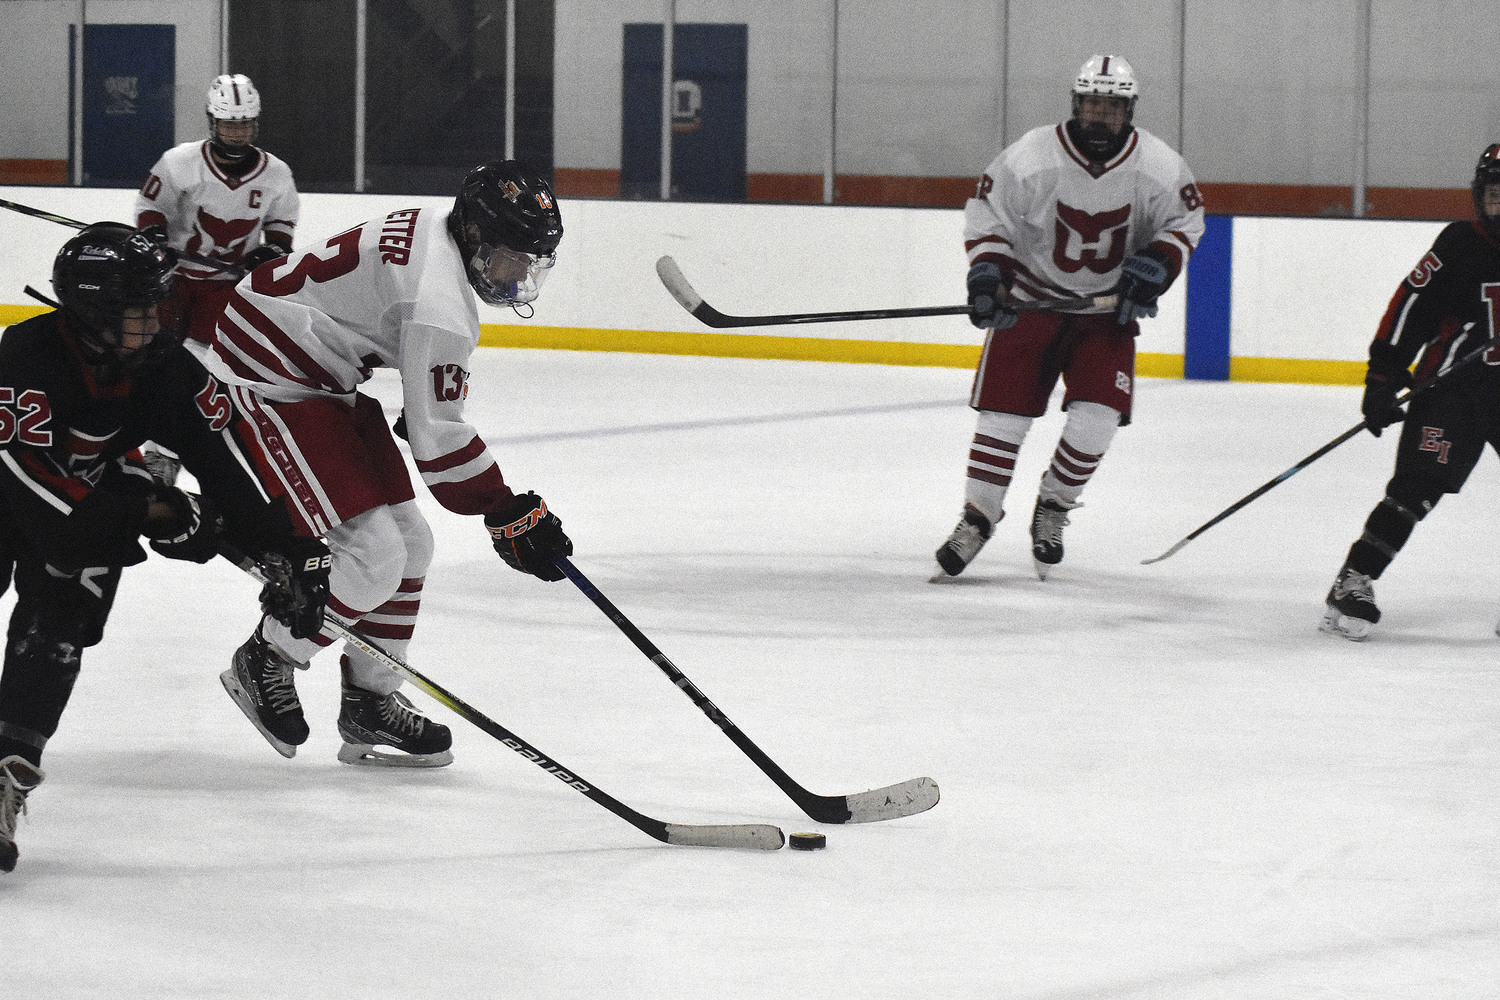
[
  {"x": 1449, "y": 304},
  {"x": 72, "y": 481}
]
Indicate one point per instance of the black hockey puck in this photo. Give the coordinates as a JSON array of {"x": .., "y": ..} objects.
[{"x": 807, "y": 841}]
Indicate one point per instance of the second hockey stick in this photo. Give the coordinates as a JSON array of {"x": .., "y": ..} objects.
[
  {"x": 62, "y": 220},
  {"x": 1411, "y": 394},
  {"x": 672, "y": 277},
  {"x": 891, "y": 802},
  {"x": 756, "y": 836}
]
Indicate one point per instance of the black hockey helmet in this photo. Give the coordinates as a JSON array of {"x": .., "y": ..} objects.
[
  {"x": 1485, "y": 174},
  {"x": 99, "y": 274},
  {"x": 507, "y": 227}
]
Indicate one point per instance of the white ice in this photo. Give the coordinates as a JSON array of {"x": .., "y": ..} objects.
[{"x": 1157, "y": 781}]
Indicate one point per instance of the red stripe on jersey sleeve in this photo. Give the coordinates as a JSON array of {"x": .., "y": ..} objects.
[
  {"x": 44, "y": 474},
  {"x": 477, "y": 495},
  {"x": 467, "y": 453}
]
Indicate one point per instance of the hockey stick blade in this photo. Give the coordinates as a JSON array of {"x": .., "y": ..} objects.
[
  {"x": 746, "y": 836},
  {"x": 891, "y": 802},
  {"x": 676, "y": 282}
]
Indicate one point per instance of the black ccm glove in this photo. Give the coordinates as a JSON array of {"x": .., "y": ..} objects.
[
  {"x": 183, "y": 525},
  {"x": 529, "y": 537},
  {"x": 296, "y": 592},
  {"x": 1379, "y": 403},
  {"x": 1142, "y": 280},
  {"x": 989, "y": 297}
]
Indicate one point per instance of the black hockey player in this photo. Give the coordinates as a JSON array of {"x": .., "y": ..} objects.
[
  {"x": 80, "y": 388},
  {"x": 1446, "y": 307}
]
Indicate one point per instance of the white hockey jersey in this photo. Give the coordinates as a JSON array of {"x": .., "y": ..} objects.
[
  {"x": 1061, "y": 226},
  {"x": 211, "y": 214},
  {"x": 390, "y": 293}
]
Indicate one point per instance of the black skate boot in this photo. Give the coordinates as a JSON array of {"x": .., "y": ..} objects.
[
  {"x": 1351, "y": 606},
  {"x": 18, "y": 776},
  {"x": 260, "y": 681},
  {"x": 368, "y": 720},
  {"x": 973, "y": 530},
  {"x": 1048, "y": 519}
]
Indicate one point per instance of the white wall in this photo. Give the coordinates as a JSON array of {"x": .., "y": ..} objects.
[
  {"x": 34, "y": 57},
  {"x": 1302, "y": 288}
]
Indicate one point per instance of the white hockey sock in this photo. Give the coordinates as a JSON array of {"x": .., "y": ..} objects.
[
  {"x": 1085, "y": 438},
  {"x": 992, "y": 460}
]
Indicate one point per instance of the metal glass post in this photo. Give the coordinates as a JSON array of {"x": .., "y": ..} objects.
[
  {"x": 510, "y": 79},
  {"x": 830, "y": 163},
  {"x": 1361, "y": 110},
  {"x": 77, "y": 109},
  {"x": 360, "y": 11},
  {"x": 669, "y": 20}
]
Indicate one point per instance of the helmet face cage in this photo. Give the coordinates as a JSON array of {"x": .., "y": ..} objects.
[
  {"x": 233, "y": 98},
  {"x": 99, "y": 275},
  {"x": 1104, "y": 76},
  {"x": 507, "y": 227},
  {"x": 1487, "y": 174}
]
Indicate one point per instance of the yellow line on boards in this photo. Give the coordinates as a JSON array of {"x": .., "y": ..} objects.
[{"x": 864, "y": 352}]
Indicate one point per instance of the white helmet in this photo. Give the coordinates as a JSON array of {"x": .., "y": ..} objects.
[
  {"x": 233, "y": 99},
  {"x": 1110, "y": 76}
]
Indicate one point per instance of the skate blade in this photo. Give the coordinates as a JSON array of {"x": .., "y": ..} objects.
[
  {"x": 940, "y": 575},
  {"x": 1042, "y": 569},
  {"x": 242, "y": 699},
  {"x": 1353, "y": 629},
  {"x": 367, "y": 755}
]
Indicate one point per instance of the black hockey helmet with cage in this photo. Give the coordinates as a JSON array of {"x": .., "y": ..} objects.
[
  {"x": 507, "y": 227},
  {"x": 105, "y": 270},
  {"x": 1487, "y": 172}
]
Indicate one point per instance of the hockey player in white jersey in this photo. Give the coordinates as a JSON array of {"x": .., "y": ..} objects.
[
  {"x": 1084, "y": 208},
  {"x": 295, "y": 342},
  {"x": 224, "y": 198}
]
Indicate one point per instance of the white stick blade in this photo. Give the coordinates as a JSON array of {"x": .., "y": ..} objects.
[
  {"x": 672, "y": 277},
  {"x": 749, "y": 836},
  {"x": 893, "y": 801}
]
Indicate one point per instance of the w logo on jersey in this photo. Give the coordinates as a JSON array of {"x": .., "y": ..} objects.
[
  {"x": 1086, "y": 233},
  {"x": 220, "y": 238}
]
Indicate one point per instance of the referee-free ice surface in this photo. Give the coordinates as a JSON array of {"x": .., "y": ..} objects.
[{"x": 1157, "y": 781}]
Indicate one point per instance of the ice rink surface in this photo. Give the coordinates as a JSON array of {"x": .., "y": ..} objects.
[{"x": 1157, "y": 781}]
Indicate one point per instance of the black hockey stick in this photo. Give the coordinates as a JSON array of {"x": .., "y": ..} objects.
[
  {"x": 1411, "y": 394},
  {"x": 757, "y": 836},
  {"x": 672, "y": 277},
  {"x": 890, "y": 802},
  {"x": 191, "y": 258}
]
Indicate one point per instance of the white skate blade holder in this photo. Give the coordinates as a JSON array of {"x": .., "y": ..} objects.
[
  {"x": 1353, "y": 629},
  {"x": 368, "y": 755}
]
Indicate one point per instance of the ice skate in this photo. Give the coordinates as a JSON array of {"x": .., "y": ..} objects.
[
  {"x": 1048, "y": 519},
  {"x": 18, "y": 776},
  {"x": 1351, "y": 606},
  {"x": 368, "y": 720},
  {"x": 973, "y": 530},
  {"x": 260, "y": 681}
]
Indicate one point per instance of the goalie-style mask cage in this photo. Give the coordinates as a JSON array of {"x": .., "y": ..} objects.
[
  {"x": 233, "y": 98},
  {"x": 1487, "y": 173},
  {"x": 507, "y": 227},
  {"x": 99, "y": 274}
]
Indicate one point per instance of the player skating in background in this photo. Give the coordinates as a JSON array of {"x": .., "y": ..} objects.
[
  {"x": 1078, "y": 209},
  {"x": 81, "y": 387},
  {"x": 223, "y": 198},
  {"x": 1449, "y": 304},
  {"x": 295, "y": 342}
]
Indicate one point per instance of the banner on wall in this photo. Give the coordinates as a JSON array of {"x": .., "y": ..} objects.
[
  {"x": 129, "y": 73},
  {"x": 708, "y": 111}
]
